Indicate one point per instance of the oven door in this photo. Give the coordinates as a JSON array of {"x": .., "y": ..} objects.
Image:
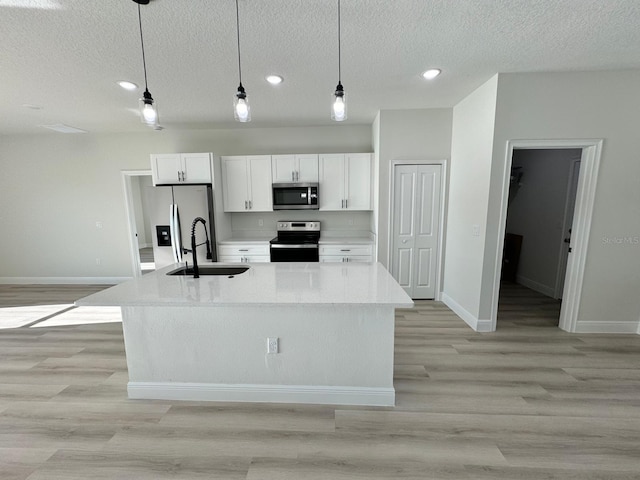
[{"x": 304, "y": 252}]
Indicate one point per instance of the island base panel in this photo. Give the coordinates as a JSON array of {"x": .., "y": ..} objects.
[{"x": 331, "y": 354}]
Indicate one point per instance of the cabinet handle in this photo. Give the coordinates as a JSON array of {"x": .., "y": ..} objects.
[
  {"x": 243, "y": 250},
  {"x": 246, "y": 205},
  {"x": 250, "y": 205},
  {"x": 178, "y": 175},
  {"x": 297, "y": 176},
  {"x": 293, "y": 176},
  {"x": 343, "y": 203},
  {"x": 346, "y": 203},
  {"x": 346, "y": 250}
]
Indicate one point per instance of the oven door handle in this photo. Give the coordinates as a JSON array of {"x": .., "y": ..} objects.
[{"x": 295, "y": 246}]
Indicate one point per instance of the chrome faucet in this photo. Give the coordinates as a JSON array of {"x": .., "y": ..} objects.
[{"x": 196, "y": 271}]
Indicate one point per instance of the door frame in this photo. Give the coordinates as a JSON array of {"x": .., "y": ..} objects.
[
  {"x": 581, "y": 229},
  {"x": 563, "y": 260},
  {"x": 443, "y": 205},
  {"x": 131, "y": 217}
]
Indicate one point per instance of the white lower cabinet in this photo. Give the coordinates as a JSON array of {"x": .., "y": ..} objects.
[
  {"x": 244, "y": 253},
  {"x": 362, "y": 253}
]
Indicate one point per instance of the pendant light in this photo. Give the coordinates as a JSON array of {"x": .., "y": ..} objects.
[
  {"x": 339, "y": 105},
  {"x": 241, "y": 108},
  {"x": 148, "y": 108}
]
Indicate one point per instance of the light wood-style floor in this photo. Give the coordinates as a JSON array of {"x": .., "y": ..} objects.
[{"x": 526, "y": 402}]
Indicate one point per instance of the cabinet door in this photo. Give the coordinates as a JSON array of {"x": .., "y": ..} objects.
[
  {"x": 166, "y": 168},
  {"x": 196, "y": 167},
  {"x": 283, "y": 168},
  {"x": 331, "y": 191},
  {"x": 358, "y": 181},
  {"x": 260, "y": 193},
  {"x": 307, "y": 168},
  {"x": 234, "y": 184}
]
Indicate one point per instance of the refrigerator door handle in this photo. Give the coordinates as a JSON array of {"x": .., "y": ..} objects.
[{"x": 174, "y": 227}]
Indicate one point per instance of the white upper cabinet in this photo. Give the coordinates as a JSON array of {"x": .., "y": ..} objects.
[
  {"x": 294, "y": 168},
  {"x": 246, "y": 183},
  {"x": 345, "y": 181},
  {"x": 181, "y": 168}
]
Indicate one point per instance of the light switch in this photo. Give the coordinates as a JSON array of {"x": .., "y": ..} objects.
[{"x": 475, "y": 230}]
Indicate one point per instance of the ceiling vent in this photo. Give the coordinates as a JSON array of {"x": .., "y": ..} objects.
[{"x": 62, "y": 128}]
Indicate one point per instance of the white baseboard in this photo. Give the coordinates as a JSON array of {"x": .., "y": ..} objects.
[
  {"x": 607, "y": 327},
  {"x": 62, "y": 280},
  {"x": 538, "y": 287},
  {"x": 262, "y": 393},
  {"x": 479, "y": 325}
]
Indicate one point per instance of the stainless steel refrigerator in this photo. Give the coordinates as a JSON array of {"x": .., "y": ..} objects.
[{"x": 172, "y": 210}]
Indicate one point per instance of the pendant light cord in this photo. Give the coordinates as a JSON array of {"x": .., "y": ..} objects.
[
  {"x": 238, "y": 32},
  {"x": 339, "y": 53},
  {"x": 144, "y": 62}
]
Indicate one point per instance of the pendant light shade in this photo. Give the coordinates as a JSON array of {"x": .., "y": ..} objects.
[
  {"x": 148, "y": 107},
  {"x": 339, "y": 105},
  {"x": 241, "y": 108},
  {"x": 148, "y": 110}
]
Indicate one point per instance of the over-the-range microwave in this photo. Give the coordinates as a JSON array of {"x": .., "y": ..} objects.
[{"x": 295, "y": 196}]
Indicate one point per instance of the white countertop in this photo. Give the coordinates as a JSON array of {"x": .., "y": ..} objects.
[
  {"x": 248, "y": 240},
  {"x": 264, "y": 284},
  {"x": 345, "y": 240}
]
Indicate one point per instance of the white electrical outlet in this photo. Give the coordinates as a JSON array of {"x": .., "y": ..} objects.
[
  {"x": 98, "y": 224},
  {"x": 272, "y": 345},
  {"x": 261, "y": 223},
  {"x": 98, "y": 261},
  {"x": 475, "y": 230}
]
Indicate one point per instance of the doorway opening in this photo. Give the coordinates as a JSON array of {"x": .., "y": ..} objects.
[
  {"x": 560, "y": 274},
  {"x": 540, "y": 209},
  {"x": 136, "y": 183}
]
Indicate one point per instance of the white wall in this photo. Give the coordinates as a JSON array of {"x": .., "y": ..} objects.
[
  {"x": 345, "y": 223},
  {"x": 581, "y": 105},
  {"x": 421, "y": 134},
  {"x": 56, "y": 187},
  {"x": 536, "y": 212},
  {"x": 471, "y": 157}
]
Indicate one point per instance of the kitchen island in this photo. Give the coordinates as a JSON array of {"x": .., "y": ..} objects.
[{"x": 207, "y": 338}]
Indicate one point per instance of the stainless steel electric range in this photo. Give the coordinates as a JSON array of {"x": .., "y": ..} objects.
[{"x": 296, "y": 242}]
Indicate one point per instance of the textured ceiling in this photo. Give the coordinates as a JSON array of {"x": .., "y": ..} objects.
[{"x": 66, "y": 56}]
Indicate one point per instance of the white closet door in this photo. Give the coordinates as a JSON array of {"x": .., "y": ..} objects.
[
  {"x": 427, "y": 230},
  {"x": 416, "y": 220},
  {"x": 403, "y": 226}
]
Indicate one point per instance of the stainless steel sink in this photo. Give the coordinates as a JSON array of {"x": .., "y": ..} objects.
[{"x": 210, "y": 270}]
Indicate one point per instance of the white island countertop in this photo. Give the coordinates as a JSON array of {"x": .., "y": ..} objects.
[{"x": 264, "y": 284}]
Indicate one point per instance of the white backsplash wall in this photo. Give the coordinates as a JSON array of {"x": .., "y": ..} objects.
[{"x": 347, "y": 222}]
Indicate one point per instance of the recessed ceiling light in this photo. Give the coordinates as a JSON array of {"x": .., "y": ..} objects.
[
  {"x": 31, "y": 106},
  {"x": 431, "y": 73},
  {"x": 274, "y": 79},
  {"x": 128, "y": 85}
]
